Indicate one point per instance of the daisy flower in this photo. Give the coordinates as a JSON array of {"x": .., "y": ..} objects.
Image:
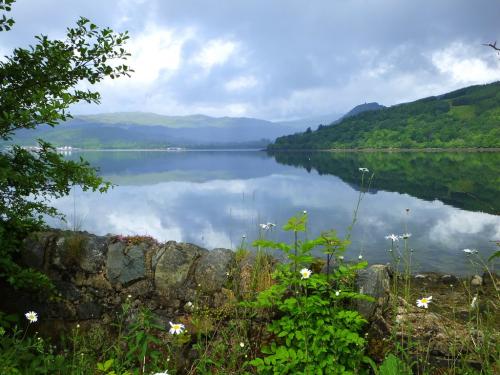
[
  {"x": 424, "y": 302},
  {"x": 267, "y": 226},
  {"x": 470, "y": 251},
  {"x": 306, "y": 273},
  {"x": 364, "y": 170},
  {"x": 392, "y": 237},
  {"x": 31, "y": 316},
  {"x": 176, "y": 328}
]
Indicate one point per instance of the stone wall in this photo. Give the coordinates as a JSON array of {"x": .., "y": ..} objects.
[{"x": 94, "y": 275}]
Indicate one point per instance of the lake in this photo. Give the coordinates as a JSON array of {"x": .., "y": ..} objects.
[{"x": 447, "y": 201}]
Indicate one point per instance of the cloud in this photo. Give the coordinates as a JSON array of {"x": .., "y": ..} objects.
[
  {"x": 451, "y": 228},
  {"x": 241, "y": 83},
  {"x": 280, "y": 59},
  {"x": 155, "y": 51},
  {"x": 460, "y": 66},
  {"x": 215, "y": 52}
]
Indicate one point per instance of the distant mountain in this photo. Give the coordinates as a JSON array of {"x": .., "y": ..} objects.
[
  {"x": 374, "y": 106},
  {"x": 149, "y": 130},
  {"x": 469, "y": 117},
  {"x": 312, "y": 122},
  {"x": 175, "y": 122}
]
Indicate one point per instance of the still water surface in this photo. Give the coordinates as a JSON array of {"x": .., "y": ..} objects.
[{"x": 447, "y": 201}]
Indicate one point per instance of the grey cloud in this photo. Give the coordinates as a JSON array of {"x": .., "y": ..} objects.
[{"x": 308, "y": 57}]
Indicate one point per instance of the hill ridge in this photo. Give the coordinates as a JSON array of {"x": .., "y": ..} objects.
[{"x": 465, "y": 118}]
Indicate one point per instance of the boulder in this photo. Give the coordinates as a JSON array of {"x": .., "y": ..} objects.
[
  {"x": 373, "y": 281},
  {"x": 212, "y": 270},
  {"x": 125, "y": 263},
  {"x": 173, "y": 266},
  {"x": 35, "y": 247},
  {"x": 476, "y": 280}
]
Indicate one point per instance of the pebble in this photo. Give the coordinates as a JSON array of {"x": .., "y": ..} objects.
[{"x": 476, "y": 280}]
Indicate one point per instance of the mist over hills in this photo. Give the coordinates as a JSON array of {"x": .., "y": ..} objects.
[
  {"x": 143, "y": 130},
  {"x": 122, "y": 130}
]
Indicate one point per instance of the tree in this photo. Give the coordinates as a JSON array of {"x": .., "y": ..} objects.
[{"x": 37, "y": 86}]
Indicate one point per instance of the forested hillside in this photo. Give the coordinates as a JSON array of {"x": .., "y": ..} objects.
[{"x": 469, "y": 117}]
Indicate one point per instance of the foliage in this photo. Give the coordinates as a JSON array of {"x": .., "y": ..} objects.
[
  {"x": 134, "y": 348},
  {"x": 392, "y": 365},
  {"x": 314, "y": 332},
  {"x": 28, "y": 355},
  {"x": 37, "y": 85},
  {"x": 464, "y": 118}
]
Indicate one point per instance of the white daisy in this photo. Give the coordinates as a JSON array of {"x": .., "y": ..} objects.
[
  {"x": 242, "y": 344},
  {"x": 337, "y": 293},
  {"x": 424, "y": 302},
  {"x": 364, "y": 170},
  {"x": 176, "y": 328},
  {"x": 360, "y": 257},
  {"x": 31, "y": 316},
  {"x": 405, "y": 236},
  {"x": 470, "y": 251},
  {"x": 393, "y": 237},
  {"x": 267, "y": 226},
  {"x": 306, "y": 273}
]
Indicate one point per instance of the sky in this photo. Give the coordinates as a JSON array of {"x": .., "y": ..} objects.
[{"x": 277, "y": 59}]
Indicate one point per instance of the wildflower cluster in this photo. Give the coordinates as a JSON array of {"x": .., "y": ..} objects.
[{"x": 312, "y": 308}]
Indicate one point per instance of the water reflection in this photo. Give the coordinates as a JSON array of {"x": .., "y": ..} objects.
[
  {"x": 468, "y": 180},
  {"x": 214, "y": 198}
]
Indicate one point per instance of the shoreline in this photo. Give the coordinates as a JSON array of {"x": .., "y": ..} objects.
[{"x": 391, "y": 150}]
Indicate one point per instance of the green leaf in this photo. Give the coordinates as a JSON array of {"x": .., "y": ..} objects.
[{"x": 496, "y": 254}]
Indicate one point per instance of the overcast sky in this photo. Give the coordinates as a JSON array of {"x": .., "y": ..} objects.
[{"x": 278, "y": 60}]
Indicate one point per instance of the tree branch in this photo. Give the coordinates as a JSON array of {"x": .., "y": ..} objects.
[{"x": 492, "y": 45}]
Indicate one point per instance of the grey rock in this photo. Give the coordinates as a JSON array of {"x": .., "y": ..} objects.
[
  {"x": 88, "y": 310},
  {"x": 78, "y": 249},
  {"x": 476, "y": 280},
  {"x": 125, "y": 264},
  {"x": 213, "y": 268},
  {"x": 94, "y": 254},
  {"x": 67, "y": 290},
  {"x": 449, "y": 279},
  {"x": 35, "y": 248},
  {"x": 373, "y": 281},
  {"x": 173, "y": 266}
]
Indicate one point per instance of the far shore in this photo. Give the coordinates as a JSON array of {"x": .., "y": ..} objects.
[
  {"x": 429, "y": 149},
  {"x": 465, "y": 149}
]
